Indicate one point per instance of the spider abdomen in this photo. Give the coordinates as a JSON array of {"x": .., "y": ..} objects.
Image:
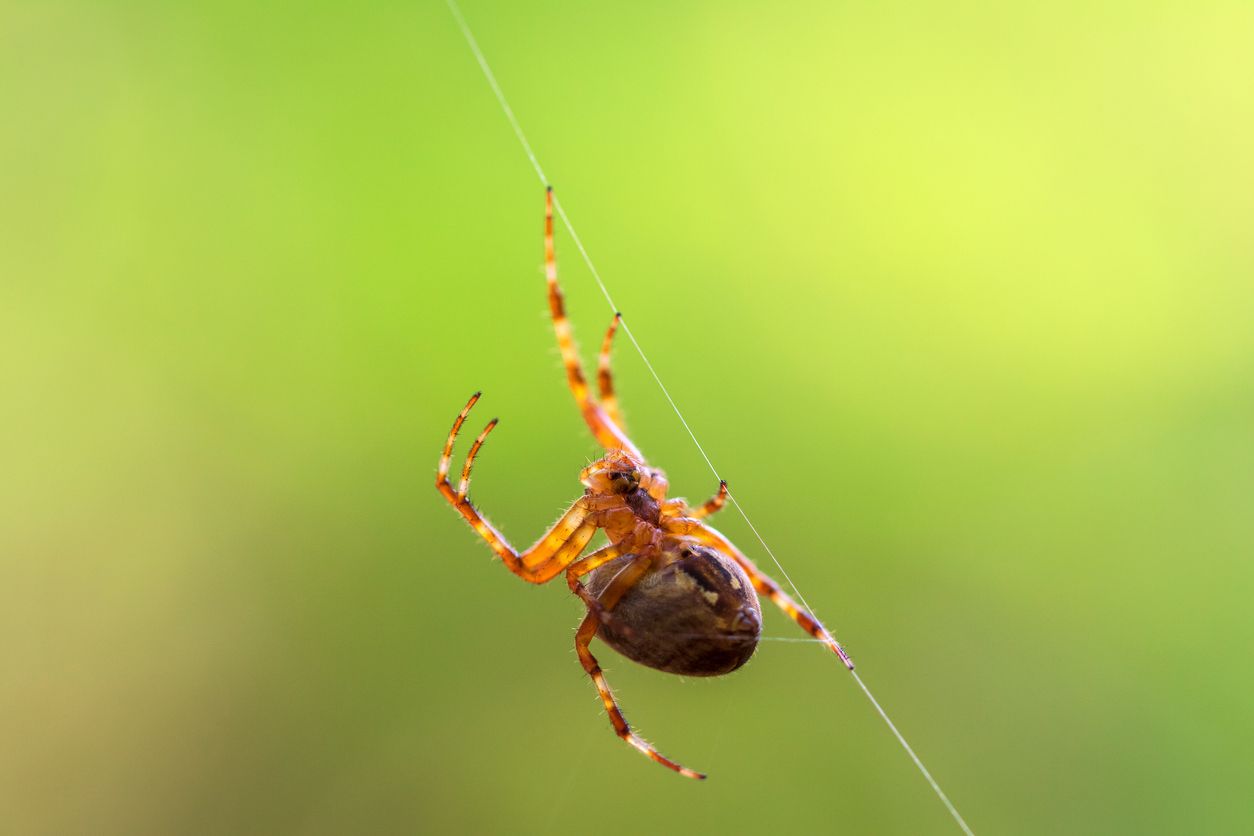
[{"x": 694, "y": 614}]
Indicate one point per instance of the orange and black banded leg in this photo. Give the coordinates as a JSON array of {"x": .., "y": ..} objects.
[
  {"x": 583, "y": 566},
  {"x": 605, "y": 378},
  {"x": 607, "y": 431},
  {"x": 601, "y": 605},
  {"x": 714, "y": 504},
  {"x": 763, "y": 583},
  {"x": 553, "y": 552},
  {"x": 587, "y": 630}
]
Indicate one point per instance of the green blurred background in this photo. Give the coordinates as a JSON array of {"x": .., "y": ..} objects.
[{"x": 958, "y": 296}]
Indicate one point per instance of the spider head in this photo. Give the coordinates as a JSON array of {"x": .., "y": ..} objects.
[{"x": 618, "y": 472}]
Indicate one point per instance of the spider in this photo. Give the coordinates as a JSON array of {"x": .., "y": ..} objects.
[{"x": 669, "y": 591}]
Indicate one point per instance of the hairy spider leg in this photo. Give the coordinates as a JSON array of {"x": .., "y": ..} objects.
[
  {"x": 464, "y": 485},
  {"x": 622, "y": 582},
  {"x": 553, "y": 552},
  {"x": 713, "y": 504},
  {"x": 585, "y": 565},
  {"x": 607, "y": 431},
  {"x": 763, "y": 583},
  {"x": 605, "y": 378}
]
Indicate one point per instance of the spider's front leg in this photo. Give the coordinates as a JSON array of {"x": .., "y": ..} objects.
[
  {"x": 605, "y": 377},
  {"x": 553, "y": 552},
  {"x": 602, "y": 418},
  {"x": 714, "y": 504},
  {"x": 679, "y": 508}
]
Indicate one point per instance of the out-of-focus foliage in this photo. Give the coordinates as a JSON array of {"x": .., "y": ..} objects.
[{"x": 959, "y": 298}]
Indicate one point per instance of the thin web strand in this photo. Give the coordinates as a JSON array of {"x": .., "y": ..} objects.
[
  {"x": 949, "y": 805},
  {"x": 496, "y": 89},
  {"x": 561, "y": 211}
]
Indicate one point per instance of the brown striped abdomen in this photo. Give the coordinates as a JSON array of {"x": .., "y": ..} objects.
[{"x": 694, "y": 615}]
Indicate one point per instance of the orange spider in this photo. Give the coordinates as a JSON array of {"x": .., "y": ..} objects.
[{"x": 668, "y": 591}]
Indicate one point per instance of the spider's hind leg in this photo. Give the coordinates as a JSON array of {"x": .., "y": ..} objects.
[
  {"x": 622, "y": 582},
  {"x": 762, "y": 582}
]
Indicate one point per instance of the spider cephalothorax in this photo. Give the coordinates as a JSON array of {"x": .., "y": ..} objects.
[
  {"x": 619, "y": 472},
  {"x": 668, "y": 591}
]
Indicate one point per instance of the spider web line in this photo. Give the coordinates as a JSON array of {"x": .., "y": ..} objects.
[{"x": 561, "y": 212}]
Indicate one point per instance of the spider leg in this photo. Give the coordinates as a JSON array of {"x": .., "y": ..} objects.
[
  {"x": 609, "y": 596},
  {"x": 464, "y": 485},
  {"x": 583, "y": 566},
  {"x": 605, "y": 378},
  {"x": 713, "y": 504},
  {"x": 555, "y": 550},
  {"x": 607, "y": 431},
  {"x": 623, "y": 581},
  {"x": 762, "y": 582}
]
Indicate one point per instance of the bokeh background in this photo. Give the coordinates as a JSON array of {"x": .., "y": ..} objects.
[{"x": 959, "y": 297}]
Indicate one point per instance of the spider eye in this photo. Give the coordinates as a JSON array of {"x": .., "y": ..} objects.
[{"x": 623, "y": 481}]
